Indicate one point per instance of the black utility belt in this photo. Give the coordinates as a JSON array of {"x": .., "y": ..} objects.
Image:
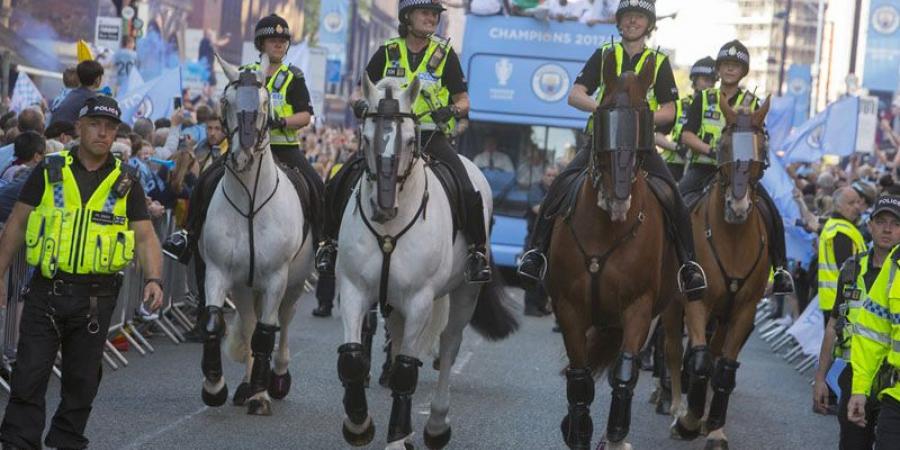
[{"x": 73, "y": 288}]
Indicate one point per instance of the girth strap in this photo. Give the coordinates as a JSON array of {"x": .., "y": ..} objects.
[{"x": 387, "y": 243}]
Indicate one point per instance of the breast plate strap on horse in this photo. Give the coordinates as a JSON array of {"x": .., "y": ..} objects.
[{"x": 387, "y": 243}]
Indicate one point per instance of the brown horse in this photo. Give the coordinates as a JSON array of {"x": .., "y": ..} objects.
[
  {"x": 605, "y": 310},
  {"x": 730, "y": 235}
]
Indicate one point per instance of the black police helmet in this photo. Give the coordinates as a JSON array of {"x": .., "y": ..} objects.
[
  {"x": 272, "y": 26},
  {"x": 704, "y": 67},
  {"x": 645, "y": 7},
  {"x": 734, "y": 51},
  {"x": 406, "y": 6}
]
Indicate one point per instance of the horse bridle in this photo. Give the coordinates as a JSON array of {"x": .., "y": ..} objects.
[
  {"x": 626, "y": 133},
  {"x": 740, "y": 169},
  {"x": 388, "y": 111},
  {"x": 247, "y": 101}
]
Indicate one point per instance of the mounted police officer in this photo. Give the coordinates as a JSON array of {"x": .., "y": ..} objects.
[
  {"x": 861, "y": 275},
  {"x": 290, "y": 111},
  {"x": 701, "y": 132},
  {"x": 703, "y": 76},
  {"x": 636, "y": 19},
  {"x": 82, "y": 215},
  {"x": 416, "y": 53},
  {"x": 875, "y": 353}
]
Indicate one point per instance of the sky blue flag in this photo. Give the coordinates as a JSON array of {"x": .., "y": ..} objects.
[
  {"x": 153, "y": 99},
  {"x": 779, "y": 121},
  {"x": 832, "y": 131},
  {"x": 779, "y": 185}
]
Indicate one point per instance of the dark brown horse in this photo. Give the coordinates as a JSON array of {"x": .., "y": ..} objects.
[
  {"x": 610, "y": 260},
  {"x": 730, "y": 236}
]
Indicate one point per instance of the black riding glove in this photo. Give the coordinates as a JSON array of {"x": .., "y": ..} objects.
[
  {"x": 443, "y": 115},
  {"x": 359, "y": 107},
  {"x": 277, "y": 122}
]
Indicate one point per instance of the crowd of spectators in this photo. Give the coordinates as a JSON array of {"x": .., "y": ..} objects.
[{"x": 590, "y": 12}]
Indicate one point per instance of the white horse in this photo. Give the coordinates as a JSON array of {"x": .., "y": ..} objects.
[
  {"x": 255, "y": 252},
  {"x": 401, "y": 214}
]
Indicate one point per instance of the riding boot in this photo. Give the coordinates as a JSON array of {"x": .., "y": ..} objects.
[
  {"x": 180, "y": 245},
  {"x": 338, "y": 191},
  {"x": 478, "y": 268},
  {"x": 783, "y": 281},
  {"x": 177, "y": 246},
  {"x": 691, "y": 279}
]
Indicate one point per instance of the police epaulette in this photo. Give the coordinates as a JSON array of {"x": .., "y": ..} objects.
[
  {"x": 54, "y": 165},
  {"x": 393, "y": 51},
  {"x": 127, "y": 177},
  {"x": 440, "y": 41},
  {"x": 850, "y": 269},
  {"x": 296, "y": 71}
]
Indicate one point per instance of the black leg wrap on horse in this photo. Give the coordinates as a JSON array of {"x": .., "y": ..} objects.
[
  {"x": 699, "y": 367},
  {"x": 353, "y": 368},
  {"x": 577, "y": 426},
  {"x": 723, "y": 382},
  {"x": 622, "y": 379},
  {"x": 404, "y": 377},
  {"x": 213, "y": 328},
  {"x": 261, "y": 345}
]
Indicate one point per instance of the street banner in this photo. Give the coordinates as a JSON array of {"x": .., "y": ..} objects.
[
  {"x": 153, "y": 99},
  {"x": 780, "y": 120},
  {"x": 24, "y": 94},
  {"x": 882, "y": 60},
  {"x": 831, "y": 132},
  {"x": 334, "y": 32},
  {"x": 867, "y": 124},
  {"x": 799, "y": 83},
  {"x": 809, "y": 329},
  {"x": 778, "y": 183}
]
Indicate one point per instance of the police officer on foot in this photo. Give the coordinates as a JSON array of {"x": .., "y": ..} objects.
[
  {"x": 861, "y": 275},
  {"x": 82, "y": 215},
  {"x": 701, "y": 132},
  {"x": 636, "y": 19},
  {"x": 875, "y": 353},
  {"x": 703, "y": 76},
  {"x": 291, "y": 110},
  {"x": 838, "y": 241},
  {"x": 416, "y": 53}
]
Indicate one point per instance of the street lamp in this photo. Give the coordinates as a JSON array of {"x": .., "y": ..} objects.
[{"x": 786, "y": 15}]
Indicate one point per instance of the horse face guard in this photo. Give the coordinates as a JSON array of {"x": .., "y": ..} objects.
[
  {"x": 625, "y": 134},
  {"x": 247, "y": 102},
  {"x": 742, "y": 157},
  {"x": 382, "y": 166}
]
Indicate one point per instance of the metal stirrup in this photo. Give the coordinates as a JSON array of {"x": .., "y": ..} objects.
[
  {"x": 543, "y": 266},
  {"x": 681, "y": 282}
]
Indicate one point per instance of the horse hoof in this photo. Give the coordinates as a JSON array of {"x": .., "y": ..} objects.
[
  {"x": 280, "y": 385},
  {"x": 437, "y": 442},
  {"x": 217, "y": 399},
  {"x": 716, "y": 444},
  {"x": 241, "y": 394},
  {"x": 259, "y": 407},
  {"x": 679, "y": 431},
  {"x": 360, "y": 439},
  {"x": 571, "y": 440}
]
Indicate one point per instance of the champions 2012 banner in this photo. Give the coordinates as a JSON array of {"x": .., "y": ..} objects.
[{"x": 882, "y": 63}]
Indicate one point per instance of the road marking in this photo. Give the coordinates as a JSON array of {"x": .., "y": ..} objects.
[{"x": 147, "y": 438}]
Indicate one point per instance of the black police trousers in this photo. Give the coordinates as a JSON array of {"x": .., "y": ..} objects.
[
  {"x": 854, "y": 437},
  {"x": 202, "y": 194},
  {"x": 50, "y": 324},
  {"x": 887, "y": 433},
  {"x": 698, "y": 176},
  {"x": 436, "y": 145},
  {"x": 654, "y": 165}
]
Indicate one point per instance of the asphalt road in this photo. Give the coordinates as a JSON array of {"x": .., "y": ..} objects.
[{"x": 506, "y": 395}]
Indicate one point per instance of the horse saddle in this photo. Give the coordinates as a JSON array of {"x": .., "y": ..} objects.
[
  {"x": 453, "y": 189},
  {"x": 309, "y": 205},
  {"x": 565, "y": 200}
]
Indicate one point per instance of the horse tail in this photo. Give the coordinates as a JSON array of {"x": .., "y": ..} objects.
[
  {"x": 494, "y": 318},
  {"x": 603, "y": 345}
]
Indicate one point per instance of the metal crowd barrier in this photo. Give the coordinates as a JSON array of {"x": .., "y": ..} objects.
[
  {"x": 772, "y": 325},
  {"x": 17, "y": 280}
]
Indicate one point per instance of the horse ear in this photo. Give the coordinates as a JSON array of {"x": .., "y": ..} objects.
[
  {"x": 727, "y": 110},
  {"x": 412, "y": 91},
  {"x": 648, "y": 73},
  {"x": 759, "y": 116},
  {"x": 231, "y": 72},
  {"x": 264, "y": 64},
  {"x": 610, "y": 72}
]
